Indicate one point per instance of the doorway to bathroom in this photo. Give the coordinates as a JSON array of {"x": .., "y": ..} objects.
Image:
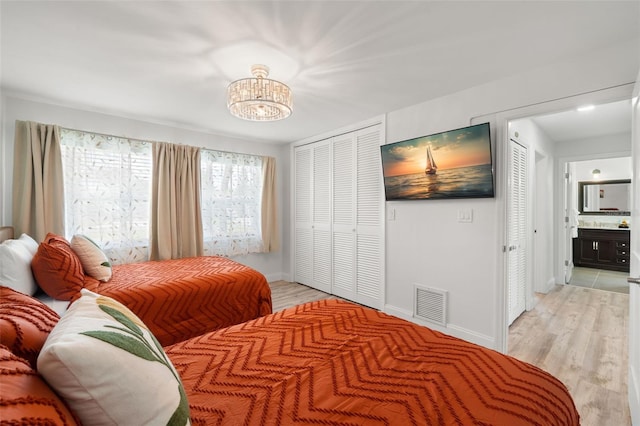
[{"x": 598, "y": 202}]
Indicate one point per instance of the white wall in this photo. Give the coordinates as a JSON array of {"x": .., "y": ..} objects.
[
  {"x": 617, "y": 145},
  {"x": 270, "y": 264},
  {"x": 3, "y": 161},
  {"x": 610, "y": 168},
  {"x": 426, "y": 244}
]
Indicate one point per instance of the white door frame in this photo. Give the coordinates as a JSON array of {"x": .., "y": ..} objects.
[
  {"x": 634, "y": 290},
  {"x": 569, "y": 203},
  {"x": 502, "y": 178}
]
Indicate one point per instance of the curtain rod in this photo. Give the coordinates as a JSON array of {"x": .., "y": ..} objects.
[{"x": 150, "y": 141}]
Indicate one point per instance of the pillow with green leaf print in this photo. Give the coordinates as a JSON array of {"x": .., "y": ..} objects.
[
  {"x": 94, "y": 262},
  {"x": 109, "y": 368}
]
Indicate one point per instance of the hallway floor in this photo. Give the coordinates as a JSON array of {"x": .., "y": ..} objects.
[
  {"x": 580, "y": 335},
  {"x": 600, "y": 279}
]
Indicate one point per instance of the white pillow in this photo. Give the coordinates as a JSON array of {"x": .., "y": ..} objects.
[
  {"x": 94, "y": 262},
  {"x": 89, "y": 360},
  {"x": 29, "y": 243},
  {"x": 15, "y": 267}
]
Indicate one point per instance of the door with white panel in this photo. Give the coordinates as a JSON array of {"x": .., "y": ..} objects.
[
  {"x": 370, "y": 257},
  {"x": 312, "y": 211},
  {"x": 339, "y": 213},
  {"x": 517, "y": 230},
  {"x": 303, "y": 204},
  {"x": 358, "y": 206},
  {"x": 344, "y": 216},
  {"x": 322, "y": 216}
]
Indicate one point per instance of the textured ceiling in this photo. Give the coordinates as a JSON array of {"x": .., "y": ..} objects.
[{"x": 346, "y": 61}]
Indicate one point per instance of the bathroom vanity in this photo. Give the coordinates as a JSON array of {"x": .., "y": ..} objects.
[{"x": 602, "y": 248}]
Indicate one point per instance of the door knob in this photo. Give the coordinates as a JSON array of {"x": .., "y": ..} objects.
[{"x": 633, "y": 280}]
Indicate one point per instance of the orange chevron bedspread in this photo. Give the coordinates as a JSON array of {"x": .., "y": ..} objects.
[
  {"x": 182, "y": 298},
  {"x": 333, "y": 362}
]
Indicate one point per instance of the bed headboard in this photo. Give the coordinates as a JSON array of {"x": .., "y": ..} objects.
[{"x": 6, "y": 233}]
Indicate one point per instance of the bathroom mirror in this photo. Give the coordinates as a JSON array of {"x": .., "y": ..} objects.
[{"x": 607, "y": 197}]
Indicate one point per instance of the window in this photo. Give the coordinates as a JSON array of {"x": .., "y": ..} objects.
[
  {"x": 107, "y": 185},
  {"x": 231, "y": 202}
]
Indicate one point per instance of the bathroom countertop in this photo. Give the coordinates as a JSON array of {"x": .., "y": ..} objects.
[{"x": 606, "y": 228}]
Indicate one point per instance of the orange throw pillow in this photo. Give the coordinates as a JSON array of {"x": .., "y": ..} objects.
[
  {"x": 57, "y": 268},
  {"x": 26, "y": 398},
  {"x": 25, "y": 323}
]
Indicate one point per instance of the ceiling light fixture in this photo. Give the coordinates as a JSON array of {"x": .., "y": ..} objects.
[
  {"x": 259, "y": 98},
  {"x": 596, "y": 173}
]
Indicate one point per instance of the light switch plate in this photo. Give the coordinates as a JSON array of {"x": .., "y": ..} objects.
[{"x": 465, "y": 215}]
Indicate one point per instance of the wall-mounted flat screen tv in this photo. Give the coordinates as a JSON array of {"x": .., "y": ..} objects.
[{"x": 452, "y": 164}]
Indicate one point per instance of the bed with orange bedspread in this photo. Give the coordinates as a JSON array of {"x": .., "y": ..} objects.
[
  {"x": 177, "y": 299},
  {"x": 182, "y": 298},
  {"x": 334, "y": 362}
]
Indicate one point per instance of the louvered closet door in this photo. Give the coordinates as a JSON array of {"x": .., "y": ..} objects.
[
  {"x": 322, "y": 216},
  {"x": 339, "y": 223},
  {"x": 303, "y": 250},
  {"x": 369, "y": 219},
  {"x": 517, "y": 221},
  {"x": 344, "y": 217}
]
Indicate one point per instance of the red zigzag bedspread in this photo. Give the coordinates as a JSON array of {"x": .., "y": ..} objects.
[
  {"x": 182, "y": 298},
  {"x": 334, "y": 362}
]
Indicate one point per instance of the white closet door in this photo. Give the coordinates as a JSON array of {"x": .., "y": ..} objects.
[
  {"x": 322, "y": 216},
  {"x": 517, "y": 230},
  {"x": 369, "y": 219},
  {"x": 339, "y": 211},
  {"x": 303, "y": 250},
  {"x": 344, "y": 227}
]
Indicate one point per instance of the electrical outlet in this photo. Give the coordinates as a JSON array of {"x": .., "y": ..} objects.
[{"x": 391, "y": 214}]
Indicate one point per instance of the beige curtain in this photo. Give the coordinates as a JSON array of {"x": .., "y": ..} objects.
[
  {"x": 176, "y": 220},
  {"x": 38, "y": 191},
  {"x": 270, "y": 239}
]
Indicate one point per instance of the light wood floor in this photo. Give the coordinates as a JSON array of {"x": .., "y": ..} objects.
[
  {"x": 580, "y": 335},
  {"x": 577, "y": 334},
  {"x": 285, "y": 294}
]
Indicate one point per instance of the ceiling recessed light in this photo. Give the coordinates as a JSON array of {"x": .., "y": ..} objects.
[{"x": 586, "y": 108}]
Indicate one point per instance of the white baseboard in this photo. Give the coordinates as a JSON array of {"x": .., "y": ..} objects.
[
  {"x": 451, "y": 329},
  {"x": 550, "y": 285},
  {"x": 277, "y": 277}
]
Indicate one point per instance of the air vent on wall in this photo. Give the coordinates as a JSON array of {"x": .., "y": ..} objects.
[{"x": 430, "y": 304}]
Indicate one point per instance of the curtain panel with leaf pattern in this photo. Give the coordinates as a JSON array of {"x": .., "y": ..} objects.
[{"x": 108, "y": 192}]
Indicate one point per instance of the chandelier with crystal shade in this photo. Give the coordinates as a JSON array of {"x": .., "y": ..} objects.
[{"x": 259, "y": 98}]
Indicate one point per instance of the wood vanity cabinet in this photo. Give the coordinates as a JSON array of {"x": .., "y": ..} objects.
[{"x": 602, "y": 248}]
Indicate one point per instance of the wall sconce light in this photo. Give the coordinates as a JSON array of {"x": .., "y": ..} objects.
[{"x": 596, "y": 173}]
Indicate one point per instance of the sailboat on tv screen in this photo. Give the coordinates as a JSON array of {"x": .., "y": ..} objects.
[{"x": 431, "y": 167}]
